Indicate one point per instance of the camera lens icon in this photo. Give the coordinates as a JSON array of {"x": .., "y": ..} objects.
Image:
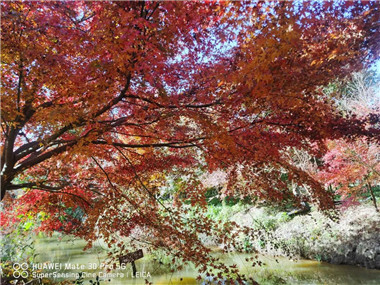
[{"x": 20, "y": 270}]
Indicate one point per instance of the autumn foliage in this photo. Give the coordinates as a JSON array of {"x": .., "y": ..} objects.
[
  {"x": 352, "y": 167},
  {"x": 102, "y": 100}
]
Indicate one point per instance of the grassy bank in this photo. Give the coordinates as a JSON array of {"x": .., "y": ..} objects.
[{"x": 352, "y": 239}]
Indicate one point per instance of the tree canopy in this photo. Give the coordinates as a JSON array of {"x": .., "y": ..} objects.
[{"x": 102, "y": 100}]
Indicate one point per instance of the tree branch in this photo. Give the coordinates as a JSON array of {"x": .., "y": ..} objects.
[
  {"x": 27, "y": 149},
  {"x": 181, "y": 144},
  {"x": 48, "y": 188},
  {"x": 142, "y": 183}
]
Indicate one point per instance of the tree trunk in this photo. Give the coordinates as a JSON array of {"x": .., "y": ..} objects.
[{"x": 373, "y": 196}]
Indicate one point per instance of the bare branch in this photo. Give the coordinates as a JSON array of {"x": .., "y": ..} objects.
[
  {"x": 179, "y": 144},
  {"x": 139, "y": 179}
]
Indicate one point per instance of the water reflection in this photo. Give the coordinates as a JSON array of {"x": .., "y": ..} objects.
[{"x": 282, "y": 271}]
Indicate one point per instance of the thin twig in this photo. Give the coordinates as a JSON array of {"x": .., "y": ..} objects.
[{"x": 142, "y": 183}]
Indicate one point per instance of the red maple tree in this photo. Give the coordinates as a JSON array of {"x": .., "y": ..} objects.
[{"x": 99, "y": 97}]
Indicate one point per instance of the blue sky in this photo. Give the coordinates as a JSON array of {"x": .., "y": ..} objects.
[{"x": 376, "y": 67}]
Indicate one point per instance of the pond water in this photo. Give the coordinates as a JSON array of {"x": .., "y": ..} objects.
[{"x": 283, "y": 271}]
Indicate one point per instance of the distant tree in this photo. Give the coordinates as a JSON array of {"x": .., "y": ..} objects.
[{"x": 353, "y": 167}]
